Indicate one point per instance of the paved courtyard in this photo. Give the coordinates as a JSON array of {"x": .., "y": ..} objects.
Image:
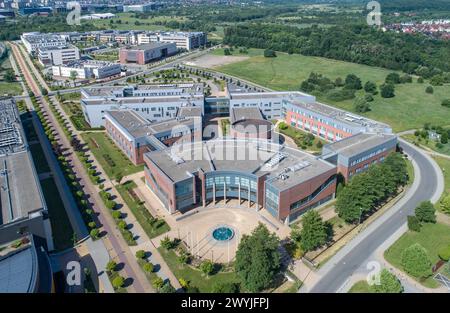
[{"x": 196, "y": 229}]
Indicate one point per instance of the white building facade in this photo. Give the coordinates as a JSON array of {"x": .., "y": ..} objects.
[{"x": 58, "y": 55}]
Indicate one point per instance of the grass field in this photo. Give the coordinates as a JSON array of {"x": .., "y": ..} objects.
[
  {"x": 61, "y": 228},
  {"x": 286, "y": 72},
  {"x": 360, "y": 287},
  {"x": 112, "y": 159},
  {"x": 12, "y": 89},
  {"x": 432, "y": 237},
  {"x": 194, "y": 276},
  {"x": 444, "y": 164},
  {"x": 152, "y": 227}
]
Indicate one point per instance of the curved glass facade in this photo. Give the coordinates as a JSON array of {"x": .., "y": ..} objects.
[{"x": 227, "y": 183}]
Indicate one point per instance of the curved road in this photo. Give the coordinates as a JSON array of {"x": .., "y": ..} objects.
[{"x": 428, "y": 187}]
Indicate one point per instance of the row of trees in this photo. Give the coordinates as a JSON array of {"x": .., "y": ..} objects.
[{"x": 366, "y": 191}]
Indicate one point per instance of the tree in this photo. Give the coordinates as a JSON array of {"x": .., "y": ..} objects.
[
  {"x": 389, "y": 283},
  {"x": 413, "y": 223},
  {"x": 353, "y": 82},
  {"x": 158, "y": 282},
  {"x": 392, "y": 78},
  {"x": 166, "y": 243},
  {"x": 314, "y": 231},
  {"x": 73, "y": 75},
  {"x": 425, "y": 212},
  {"x": 9, "y": 76},
  {"x": 361, "y": 105},
  {"x": 167, "y": 288},
  {"x": 116, "y": 214},
  {"x": 429, "y": 90},
  {"x": 444, "y": 138},
  {"x": 140, "y": 254},
  {"x": 118, "y": 177},
  {"x": 148, "y": 267},
  {"x": 225, "y": 287},
  {"x": 111, "y": 266},
  {"x": 207, "y": 267},
  {"x": 258, "y": 259},
  {"x": 446, "y": 103},
  {"x": 268, "y": 53},
  {"x": 415, "y": 261},
  {"x": 387, "y": 90},
  {"x": 118, "y": 282},
  {"x": 94, "y": 233}
]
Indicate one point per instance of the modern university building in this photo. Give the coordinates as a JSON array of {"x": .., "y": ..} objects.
[{"x": 185, "y": 172}]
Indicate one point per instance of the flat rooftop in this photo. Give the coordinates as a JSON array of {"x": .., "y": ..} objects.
[
  {"x": 190, "y": 111},
  {"x": 245, "y": 113},
  {"x": 180, "y": 89},
  {"x": 137, "y": 126},
  {"x": 11, "y": 135},
  {"x": 90, "y": 63},
  {"x": 246, "y": 156},
  {"x": 353, "y": 145},
  {"x": 150, "y": 45}
]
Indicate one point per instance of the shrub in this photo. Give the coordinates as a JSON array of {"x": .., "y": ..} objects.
[
  {"x": 167, "y": 288},
  {"x": 183, "y": 258},
  {"x": 387, "y": 90},
  {"x": 118, "y": 282},
  {"x": 268, "y": 53},
  {"x": 429, "y": 90},
  {"x": 92, "y": 225},
  {"x": 446, "y": 103},
  {"x": 413, "y": 223},
  {"x": 415, "y": 261},
  {"x": 389, "y": 283},
  {"x": 140, "y": 254},
  {"x": 444, "y": 253},
  {"x": 166, "y": 243}
]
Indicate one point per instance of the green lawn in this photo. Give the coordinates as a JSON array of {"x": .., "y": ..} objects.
[
  {"x": 194, "y": 276},
  {"x": 12, "y": 89},
  {"x": 286, "y": 72},
  {"x": 153, "y": 228},
  {"x": 444, "y": 164},
  {"x": 360, "y": 287},
  {"x": 432, "y": 237},
  {"x": 61, "y": 227},
  {"x": 112, "y": 159},
  {"x": 40, "y": 162}
]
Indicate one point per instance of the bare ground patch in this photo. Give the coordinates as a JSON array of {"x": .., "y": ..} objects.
[{"x": 212, "y": 61}]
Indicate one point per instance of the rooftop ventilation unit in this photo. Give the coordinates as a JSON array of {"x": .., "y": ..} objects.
[
  {"x": 176, "y": 158},
  {"x": 276, "y": 159}
]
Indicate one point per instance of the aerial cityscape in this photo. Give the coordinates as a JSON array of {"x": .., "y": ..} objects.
[{"x": 225, "y": 147}]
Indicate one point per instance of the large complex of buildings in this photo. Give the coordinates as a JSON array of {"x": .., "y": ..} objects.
[
  {"x": 153, "y": 102},
  {"x": 87, "y": 69},
  {"x": 146, "y": 53},
  {"x": 183, "y": 40},
  {"x": 35, "y": 40},
  {"x": 57, "y": 55},
  {"x": 285, "y": 181}
]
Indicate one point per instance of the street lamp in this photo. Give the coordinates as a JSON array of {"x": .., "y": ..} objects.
[{"x": 360, "y": 214}]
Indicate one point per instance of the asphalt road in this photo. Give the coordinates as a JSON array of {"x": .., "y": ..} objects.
[{"x": 337, "y": 276}]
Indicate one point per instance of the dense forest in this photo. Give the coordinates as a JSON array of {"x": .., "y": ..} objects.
[{"x": 352, "y": 43}]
